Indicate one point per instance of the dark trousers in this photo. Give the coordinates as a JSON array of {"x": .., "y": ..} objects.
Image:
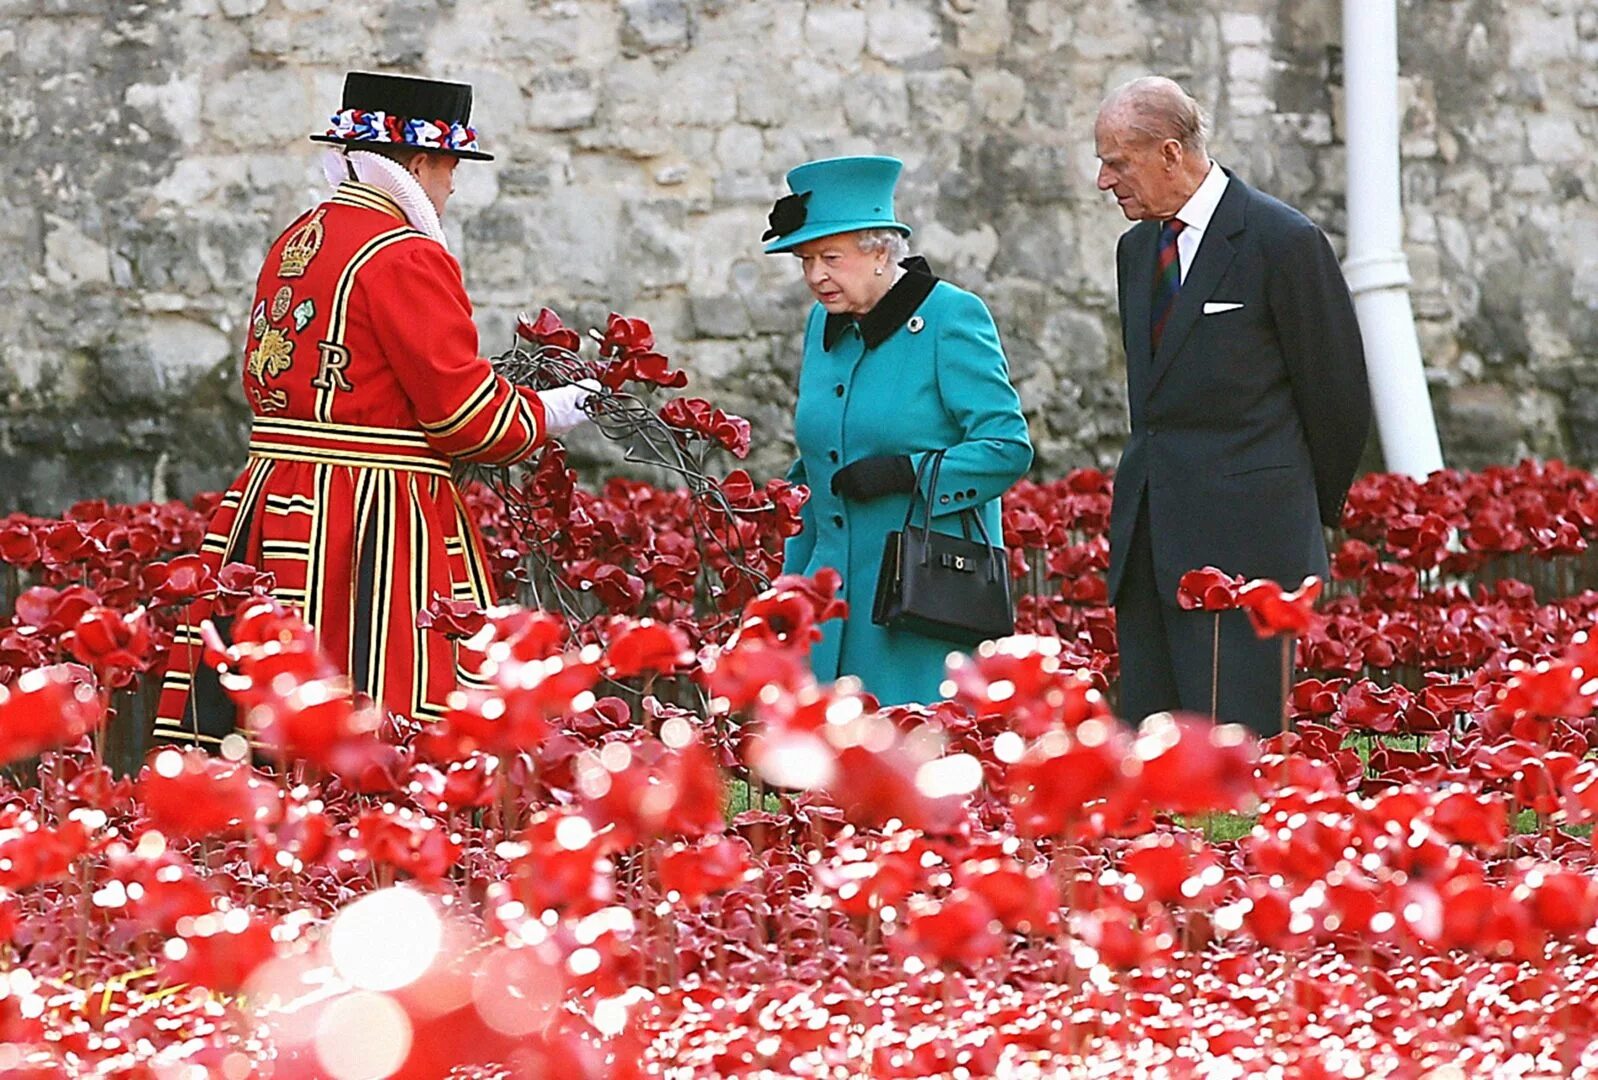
[{"x": 1168, "y": 655}]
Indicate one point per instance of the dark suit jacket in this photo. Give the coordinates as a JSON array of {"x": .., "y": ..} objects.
[{"x": 1247, "y": 424}]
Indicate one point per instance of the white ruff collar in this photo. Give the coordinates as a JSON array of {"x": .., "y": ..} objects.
[{"x": 380, "y": 172}]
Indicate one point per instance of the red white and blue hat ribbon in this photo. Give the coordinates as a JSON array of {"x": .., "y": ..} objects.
[{"x": 367, "y": 125}]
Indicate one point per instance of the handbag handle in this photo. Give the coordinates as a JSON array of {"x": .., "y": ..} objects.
[
  {"x": 934, "y": 459},
  {"x": 967, "y": 516}
]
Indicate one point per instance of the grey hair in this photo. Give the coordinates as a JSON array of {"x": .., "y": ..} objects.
[
  {"x": 890, "y": 240},
  {"x": 1159, "y": 109}
]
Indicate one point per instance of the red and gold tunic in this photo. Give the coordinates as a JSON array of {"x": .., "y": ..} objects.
[{"x": 362, "y": 372}]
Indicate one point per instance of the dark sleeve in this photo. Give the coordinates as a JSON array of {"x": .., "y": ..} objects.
[
  {"x": 1120, "y": 286},
  {"x": 1314, "y": 316}
]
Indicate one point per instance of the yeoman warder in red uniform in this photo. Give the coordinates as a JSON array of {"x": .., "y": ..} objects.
[{"x": 363, "y": 376}]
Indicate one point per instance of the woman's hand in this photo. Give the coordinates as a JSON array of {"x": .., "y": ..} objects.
[{"x": 873, "y": 477}]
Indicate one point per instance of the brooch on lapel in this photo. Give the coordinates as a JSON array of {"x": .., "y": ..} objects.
[
  {"x": 915, "y": 324},
  {"x": 787, "y": 215}
]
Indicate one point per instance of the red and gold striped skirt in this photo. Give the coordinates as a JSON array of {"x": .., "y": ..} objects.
[{"x": 361, "y": 527}]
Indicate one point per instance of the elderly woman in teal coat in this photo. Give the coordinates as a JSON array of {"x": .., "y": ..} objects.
[{"x": 897, "y": 364}]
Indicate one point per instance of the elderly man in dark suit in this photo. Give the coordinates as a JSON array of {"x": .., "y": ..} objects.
[{"x": 1249, "y": 404}]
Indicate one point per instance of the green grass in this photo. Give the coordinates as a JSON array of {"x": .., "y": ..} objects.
[
  {"x": 1223, "y": 826},
  {"x": 737, "y": 799},
  {"x": 1219, "y": 826},
  {"x": 1360, "y": 742}
]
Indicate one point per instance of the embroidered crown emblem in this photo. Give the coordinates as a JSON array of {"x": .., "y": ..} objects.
[{"x": 301, "y": 247}]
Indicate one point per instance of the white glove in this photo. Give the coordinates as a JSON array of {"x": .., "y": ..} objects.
[{"x": 563, "y": 406}]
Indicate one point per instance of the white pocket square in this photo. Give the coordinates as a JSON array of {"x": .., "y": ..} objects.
[{"x": 1215, "y": 307}]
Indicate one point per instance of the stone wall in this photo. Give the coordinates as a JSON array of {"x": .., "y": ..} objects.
[{"x": 154, "y": 148}]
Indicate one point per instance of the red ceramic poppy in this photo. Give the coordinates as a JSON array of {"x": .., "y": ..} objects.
[
  {"x": 1188, "y": 764},
  {"x": 1274, "y": 612},
  {"x": 559, "y": 863},
  {"x": 453, "y": 618},
  {"x": 415, "y": 844},
  {"x": 700, "y": 417},
  {"x": 1208, "y": 589},
  {"x": 546, "y": 329},
  {"x": 190, "y": 794},
  {"x": 219, "y": 950},
  {"x": 645, "y": 647},
  {"x": 699, "y": 870},
  {"x": 961, "y": 930},
  {"x": 45, "y": 708},
  {"x": 115, "y": 645}
]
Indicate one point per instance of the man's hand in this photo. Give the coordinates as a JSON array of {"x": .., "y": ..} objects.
[
  {"x": 563, "y": 406},
  {"x": 873, "y": 477}
]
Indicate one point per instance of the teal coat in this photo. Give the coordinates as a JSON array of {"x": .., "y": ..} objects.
[{"x": 922, "y": 371}]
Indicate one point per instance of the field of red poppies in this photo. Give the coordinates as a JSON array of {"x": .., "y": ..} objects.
[
  {"x": 658, "y": 848},
  {"x": 655, "y": 846}
]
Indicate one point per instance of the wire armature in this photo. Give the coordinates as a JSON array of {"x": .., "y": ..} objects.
[{"x": 647, "y": 439}]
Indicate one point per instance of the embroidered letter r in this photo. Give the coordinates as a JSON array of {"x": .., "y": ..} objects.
[{"x": 330, "y": 369}]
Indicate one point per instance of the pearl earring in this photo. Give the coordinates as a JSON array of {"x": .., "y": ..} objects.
[{"x": 879, "y": 271}]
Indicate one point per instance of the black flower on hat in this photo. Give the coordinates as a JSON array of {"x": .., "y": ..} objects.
[{"x": 787, "y": 215}]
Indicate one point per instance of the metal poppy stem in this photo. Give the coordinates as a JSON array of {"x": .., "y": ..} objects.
[
  {"x": 1287, "y": 704},
  {"x": 1215, "y": 668}
]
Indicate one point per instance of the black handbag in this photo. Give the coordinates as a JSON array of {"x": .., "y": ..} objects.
[{"x": 954, "y": 588}]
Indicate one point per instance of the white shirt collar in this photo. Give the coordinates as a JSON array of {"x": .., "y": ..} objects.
[
  {"x": 390, "y": 176},
  {"x": 1200, "y": 206}
]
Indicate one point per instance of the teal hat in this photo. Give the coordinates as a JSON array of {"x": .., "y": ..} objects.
[{"x": 837, "y": 195}]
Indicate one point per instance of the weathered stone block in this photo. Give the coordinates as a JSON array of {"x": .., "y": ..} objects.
[
  {"x": 1479, "y": 424},
  {"x": 179, "y": 347},
  {"x": 835, "y": 33},
  {"x": 71, "y": 257},
  {"x": 1000, "y": 95},
  {"x": 176, "y": 103},
  {"x": 649, "y": 25},
  {"x": 1109, "y": 30},
  {"x": 655, "y": 244},
  {"x": 877, "y": 103},
  {"x": 764, "y": 102},
  {"x": 1024, "y": 172},
  {"x": 941, "y": 100},
  {"x": 740, "y": 147},
  {"x": 966, "y": 256},
  {"x": 697, "y": 97},
  {"x": 1554, "y": 138},
  {"x": 719, "y": 316},
  {"x": 576, "y": 237},
  {"x": 1539, "y": 35},
  {"x": 1243, "y": 28},
  {"x": 982, "y": 27},
  {"x": 898, "y": 31},
  {"x": 274, "y": 102}
]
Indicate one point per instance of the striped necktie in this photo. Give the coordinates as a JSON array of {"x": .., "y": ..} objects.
[{"x": 1167, "y": 281}]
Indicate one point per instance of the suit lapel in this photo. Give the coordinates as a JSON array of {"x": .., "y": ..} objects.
[
  {"x": 1139, "y": 273},
  {"x": 1209, "y": 266}
]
